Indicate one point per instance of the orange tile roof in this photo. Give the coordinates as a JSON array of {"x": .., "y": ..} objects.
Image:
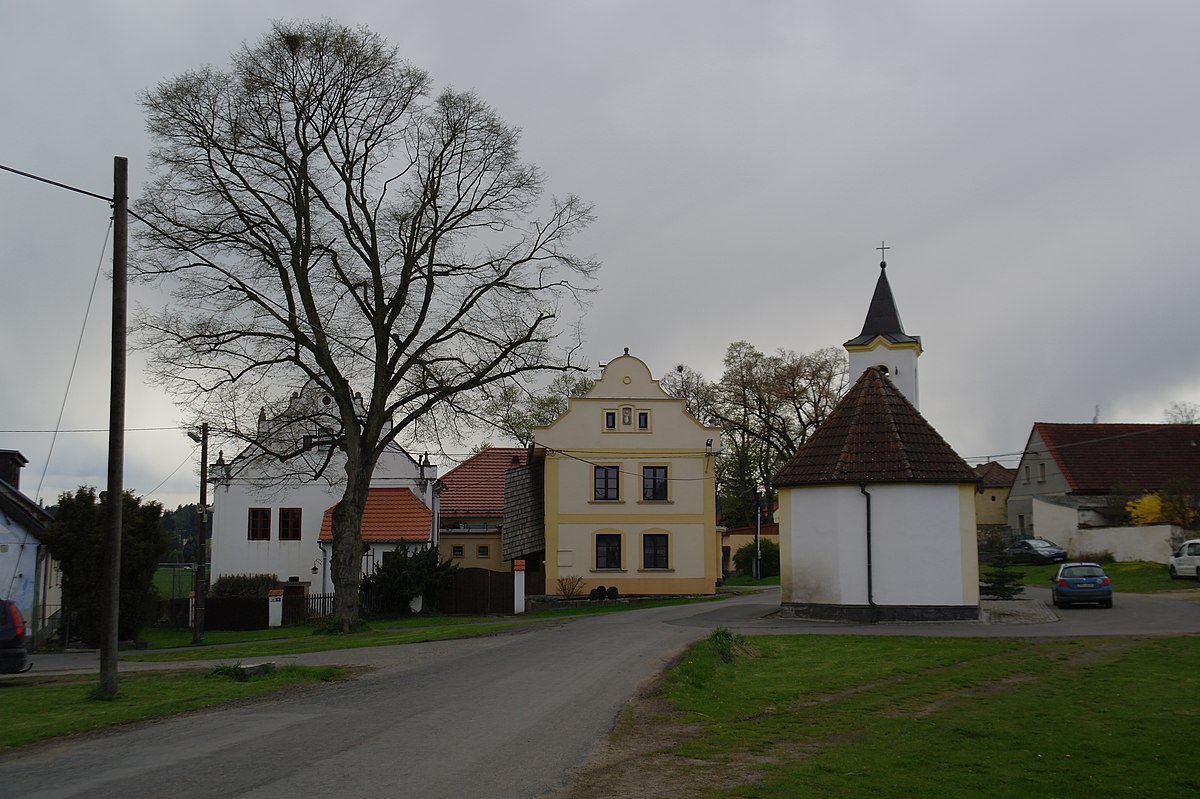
[
  {"x": 476, "y": 486},
  {"x": 391, "y": 514}
]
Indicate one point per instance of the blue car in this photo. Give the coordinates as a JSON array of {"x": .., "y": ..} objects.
[{"x": 1081, "y": 582}]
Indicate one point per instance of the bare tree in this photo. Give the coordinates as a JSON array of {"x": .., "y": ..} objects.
[
  {"x": 324, "y": 222},
  {"x": 1182, "y": 413}
]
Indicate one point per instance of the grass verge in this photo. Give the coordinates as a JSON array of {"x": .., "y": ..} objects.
[
  {"x": 851, "y": 716},
  {"x": 35, "y": 708},
  {"x": 323, "y": 643},
  {"x": 741, "y": 579},
  {"x": 1133, "y": 577}
]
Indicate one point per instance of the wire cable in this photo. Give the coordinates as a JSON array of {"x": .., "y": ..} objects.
[{"x": 75, "y": 361}]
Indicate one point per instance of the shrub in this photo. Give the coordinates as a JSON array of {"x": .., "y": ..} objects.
[
  {"x": 743, "y": 559},
  {"x": 612, "y": 592},
  {"x": 243, "y": 586},
  {"x": 1001, "y": 582},
  {"x": 403, "y": 576},
  {"x": 570, "y": 587},
  {"x": 598, "y": 592}
]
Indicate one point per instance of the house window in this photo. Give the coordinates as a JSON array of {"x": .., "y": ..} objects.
[
  {"x": 643, "y": 420},
  {"x": 259, "y": 527},
  {"x": 1021, "y": 522},
  {"x": 607, "y": 483},
  {"x": 1026, "y": 475},
  {"x": 324, "y": 440},
  {"x": 457, "y": 551},
  {"x": 610, "y": 420},
  {"x": 654, "y": 551},
  {"x": 608, "y": 551},
  {"x": 289, "y": 524},
  {"x": 481, "y": 551},
  {"x": 1041, "y": 472},
  {"x": 654, "y": 483}
]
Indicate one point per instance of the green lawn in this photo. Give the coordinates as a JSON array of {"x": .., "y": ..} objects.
[
  {"x": 905, "y": 716},
  {"x": 173, "y": 583},
  {"x": 742, "y": 579},
  {"x": 34, "y": 708},
  {"x": 1135, "y": 577}
]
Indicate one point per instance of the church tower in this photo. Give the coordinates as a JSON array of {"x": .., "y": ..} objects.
[{"x": 883, "y": 344}]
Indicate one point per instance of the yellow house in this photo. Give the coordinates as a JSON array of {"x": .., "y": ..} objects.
[{"x": 629, "y": 491}]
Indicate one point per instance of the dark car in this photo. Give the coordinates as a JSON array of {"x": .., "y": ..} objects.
[
  {"x": 1081, "y": 582},
  {"x": 1035, "y": 550},
  {"x": 13, "y": 659}
]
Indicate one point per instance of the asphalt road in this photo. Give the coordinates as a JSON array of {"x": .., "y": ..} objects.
[{"x": 502, "y": 716}]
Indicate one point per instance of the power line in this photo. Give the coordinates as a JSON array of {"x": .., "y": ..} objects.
[
  {"x": 56, "y": 183},
  {"x": 97, "y": 430}
]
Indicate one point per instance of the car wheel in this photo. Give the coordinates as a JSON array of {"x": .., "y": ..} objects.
[{"x": 1174, "y": 574}]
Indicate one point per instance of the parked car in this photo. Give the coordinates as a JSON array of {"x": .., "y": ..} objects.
[
  {"x": 1035, "y": 550},
  {"x": 13, "y": 659},
  {"x": 1080, "y": 582},
  {"x": 1185, "y": 562}
]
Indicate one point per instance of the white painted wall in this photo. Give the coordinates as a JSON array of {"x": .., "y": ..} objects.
[
  {"x": 233, "y": 553},
  {"x": 1153, "y": 542},
  {"x": 923, "y": 545},
  {"x": 901, "y": 364}
]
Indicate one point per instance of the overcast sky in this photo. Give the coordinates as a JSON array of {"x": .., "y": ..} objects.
[{"x": 1032, "y": 165}]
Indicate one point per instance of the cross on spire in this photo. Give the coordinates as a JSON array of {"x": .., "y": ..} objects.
[{"x": 883, "y": 248}]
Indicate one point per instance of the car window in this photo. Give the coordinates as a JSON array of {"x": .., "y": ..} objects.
[
  {"x": 1082, "y": 571},
  {"x": 1193, "y": 549}
]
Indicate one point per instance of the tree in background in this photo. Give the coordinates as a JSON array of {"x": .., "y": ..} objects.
[
  {"x": 514, "y": 410},
  {"x": 766, "y": 406},
  {"x": 1182, "y": 413},
  {"x": 77, "y": 538},
  {"x": 323, "y": 221},
  {"x": 743, "y": 559}
]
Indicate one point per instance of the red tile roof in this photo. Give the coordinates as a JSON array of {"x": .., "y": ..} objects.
[
  {"x": 1096, "y": 457},
  {"x": 875, "y": 435},
  {"x": 391, "y": 514},
  {"x": 476, "y": 486},
  {"x": 995, "y": 475}
]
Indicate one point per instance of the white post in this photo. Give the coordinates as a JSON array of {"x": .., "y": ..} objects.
[{"x": 518, "y": 587}]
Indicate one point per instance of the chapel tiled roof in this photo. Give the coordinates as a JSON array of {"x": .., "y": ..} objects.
[
  {"x": 1096, "y": 457},
  {"x": 882, "y": 317},
  {"x": 391, "y": 514},
  {"x": 995, "y": 475},
  {"x": 874, "y": 435},
  {"x": 476, "y": 486}
]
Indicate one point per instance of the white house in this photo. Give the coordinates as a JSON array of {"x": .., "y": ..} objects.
[
  {"x": 28, "y": 575},
  {"x": 267, "y": 514}
]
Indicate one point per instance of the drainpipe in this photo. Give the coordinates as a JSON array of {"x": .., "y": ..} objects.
[{"x": 870, "y": 583}]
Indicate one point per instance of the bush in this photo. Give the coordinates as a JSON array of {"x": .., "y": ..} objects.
[
  {"x": 1001, "y": 582},
  {"x": 402, "y": 577},
  {"x": 612, "y": 592},
  {"x": 598, "y": 592},
  {"x": 243, "y": 586},
  {"x": 570, "y": 587},
  {"x": 743, "y": 559}
]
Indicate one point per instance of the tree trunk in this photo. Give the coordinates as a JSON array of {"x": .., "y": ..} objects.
[{"x": 348, "y": 548}]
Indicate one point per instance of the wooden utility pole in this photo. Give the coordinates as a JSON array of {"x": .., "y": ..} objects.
[
  {"x": 116, "y": 431},
  {"x": 198, "y": 577}
]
